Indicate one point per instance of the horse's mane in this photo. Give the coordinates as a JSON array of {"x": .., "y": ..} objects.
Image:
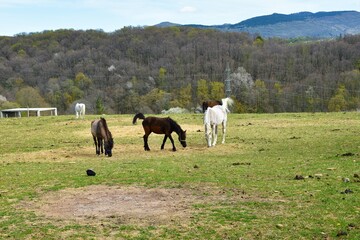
[
  {"x": 174, "y": 125},
  {"x": 106, "y": 127}
]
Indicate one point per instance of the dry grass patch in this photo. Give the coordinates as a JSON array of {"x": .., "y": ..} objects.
[{"x": 130, "y": 204}]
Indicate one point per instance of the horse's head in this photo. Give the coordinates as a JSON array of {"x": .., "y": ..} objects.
[
  {"x": 182, "y": 138},
  {"x": 108, "y": 145}
]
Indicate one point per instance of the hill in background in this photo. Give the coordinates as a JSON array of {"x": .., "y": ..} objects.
[{"x": 303, "y": 24}]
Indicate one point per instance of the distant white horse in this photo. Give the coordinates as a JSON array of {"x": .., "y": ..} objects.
[
  {"x": 213, "y": 117},
  {"x": 80, "y": 110}
]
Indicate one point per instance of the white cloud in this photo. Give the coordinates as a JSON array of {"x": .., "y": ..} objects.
[{"x": 188, "y": 9}]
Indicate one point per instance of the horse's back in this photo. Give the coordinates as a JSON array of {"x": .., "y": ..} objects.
[
  {"x": 210, "y": 103},
  {"x": 153, "y": 120},
  {"x": 156, "y": 125},
  {"x": 216, "y": 114}
]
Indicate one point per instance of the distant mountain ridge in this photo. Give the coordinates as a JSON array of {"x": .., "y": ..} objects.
[{"x": 302, "y": 24}]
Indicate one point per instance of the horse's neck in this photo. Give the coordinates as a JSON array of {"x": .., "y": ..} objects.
[
  {"x": 105, "y": 133},
  {"x": 177, "y": 129}
]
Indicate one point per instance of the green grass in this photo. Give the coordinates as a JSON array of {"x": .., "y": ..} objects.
[{"x": 254, "y": 171}]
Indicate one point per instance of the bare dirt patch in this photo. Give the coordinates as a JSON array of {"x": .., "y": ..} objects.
[{"x": 128, "y": 205}]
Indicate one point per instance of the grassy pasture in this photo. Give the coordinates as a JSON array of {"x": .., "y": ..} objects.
[{"x": 247, "y": 186}]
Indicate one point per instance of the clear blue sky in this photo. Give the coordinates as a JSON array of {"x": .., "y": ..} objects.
[{"x": 24, "y": 16}]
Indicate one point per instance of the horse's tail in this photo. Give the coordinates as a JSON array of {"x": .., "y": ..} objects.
[
  {"x": 227, "y": 102},
  {"x": 138, "y": 115}
]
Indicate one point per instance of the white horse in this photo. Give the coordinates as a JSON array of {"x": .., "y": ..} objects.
[
  {"x": 80, "y": 110},
  {"x": 213, "y": 117}
]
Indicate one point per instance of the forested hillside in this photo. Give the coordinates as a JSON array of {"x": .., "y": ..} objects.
[{"x": 151, "y": 69}]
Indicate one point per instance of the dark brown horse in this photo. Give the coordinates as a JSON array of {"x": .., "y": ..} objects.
[
  {"x": 161, "y": 126},
  {"x": 102, "y": 137},
  {"x": 210, "y": 103}
]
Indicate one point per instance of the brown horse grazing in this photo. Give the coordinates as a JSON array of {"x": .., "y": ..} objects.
[
  {"x": 102, "y": 137},
  {"x": 161, "y": 126},
  {"x": 210, "y": 103}
]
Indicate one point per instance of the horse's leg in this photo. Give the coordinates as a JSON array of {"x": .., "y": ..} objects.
[
  {"x": 163, "y": 144},
  {"x": 96, "y": 146},
  {"x": 172, "y": 142},
  {"x": 146, "y": 145},
  {"x": 208, "y": 133},
  {"x": 215, "y": 132},
  {"x": 100, "y": 145},
  {"x": 223, "y": 131}
]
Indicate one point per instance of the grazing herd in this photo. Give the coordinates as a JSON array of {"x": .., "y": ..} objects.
[{"x": 215, "y": 113}]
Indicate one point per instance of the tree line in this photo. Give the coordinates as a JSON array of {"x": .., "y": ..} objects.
[{"x": 150, "y": 69}]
